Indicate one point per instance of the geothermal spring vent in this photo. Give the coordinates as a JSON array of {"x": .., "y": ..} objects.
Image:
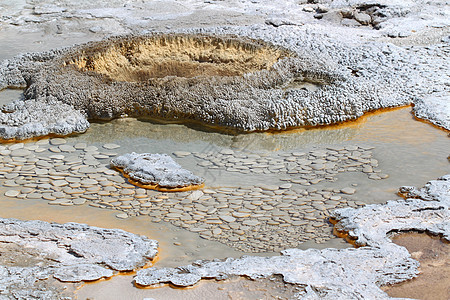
[{"x": 223, "y": 82}]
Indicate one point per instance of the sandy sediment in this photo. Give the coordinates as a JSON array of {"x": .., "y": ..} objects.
[{"x": 433, "y": 255}]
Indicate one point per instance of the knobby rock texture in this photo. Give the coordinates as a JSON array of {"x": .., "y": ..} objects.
[
  {"x": 34, "y": 252},
  {"x": 219, "y": 79}
]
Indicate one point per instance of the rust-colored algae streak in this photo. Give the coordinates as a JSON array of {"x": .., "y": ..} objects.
[
  {"x": 429, "y": 123},
  {"x": 160, "y": 285},
  {"x": 160, "y": 188},
  {"x": 344, "y": 234}
]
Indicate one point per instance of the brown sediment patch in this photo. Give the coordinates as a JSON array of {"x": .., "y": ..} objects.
[
  {"x": 139, "y": 59},
  {"x": 433, "y": 253},
  {"x": 158, "y": 187}
]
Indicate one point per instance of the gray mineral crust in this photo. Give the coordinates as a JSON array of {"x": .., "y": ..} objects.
[
  {"x": 155, "y": 169},
  {"x": 435, "y": 109},
  {"x": 272, "y": 96},
  {"x": 354, "y": 273},
  {"x": 70, "y": 252},
  {"x": 435, "y": 190},
  {"x": 27, "y": 119}
]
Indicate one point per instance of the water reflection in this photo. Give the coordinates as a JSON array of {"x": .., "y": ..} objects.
[
  {"x": 395, "y": 126},
  {"x": 132, "y": 129}
]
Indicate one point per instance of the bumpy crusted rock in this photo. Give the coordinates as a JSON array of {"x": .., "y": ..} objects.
[
  {"x": 36, "y": 117},
  {"x": 371, "y": 224},
  {"x": 75, "y": 242},
  {"x": 23, "y": 283},
  {"x": 26, "y": 119},
  {"x": 332, "y": 273},
  {"x": 157, "y": 171},
  {"x": 81, "y": 272},
  {"x": 70, "y": 252},
  {"x": 118, "y": 76},
  {"x": 435, "y": 109},
  {"x": 421, "y": 73},
  {"x": 328, "y": 273},
  {"x": 434, "y": 190}
]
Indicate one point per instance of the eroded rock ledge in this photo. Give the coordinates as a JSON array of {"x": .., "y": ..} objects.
[
  {"x": 215, "y": 79},
  {"x": 355, "y": 273},
  {"x": 32, "y": 251}
]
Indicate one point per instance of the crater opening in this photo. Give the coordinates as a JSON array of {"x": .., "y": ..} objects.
[{"x": 141, "y": 58}]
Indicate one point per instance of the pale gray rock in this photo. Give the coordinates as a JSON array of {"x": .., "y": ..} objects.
[
  {"x": 348, "y": 190},
  {"x": 363, "y": 18},
  {"x": 434, "y": 190},
  {"x": 353, "y": 273},
  {"x": 77, "y": 243},
  {"x": 23, "y": 283},
  {"x": 155, "y": 169},
  {"x": 70, "y": 252},
  {"x": 370, "y": 225},
  {"x": 48, "y": 9},
  {"x": 26, "y": 119},
  {"x": 111, "y": 146},
  {"x": 81, "y": 272},
  {"x": 276, "y": 22},
  {"x": 12, "y": 193}
]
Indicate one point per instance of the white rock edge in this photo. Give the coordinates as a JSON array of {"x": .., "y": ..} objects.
[{"x": 353, "y": 273}]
